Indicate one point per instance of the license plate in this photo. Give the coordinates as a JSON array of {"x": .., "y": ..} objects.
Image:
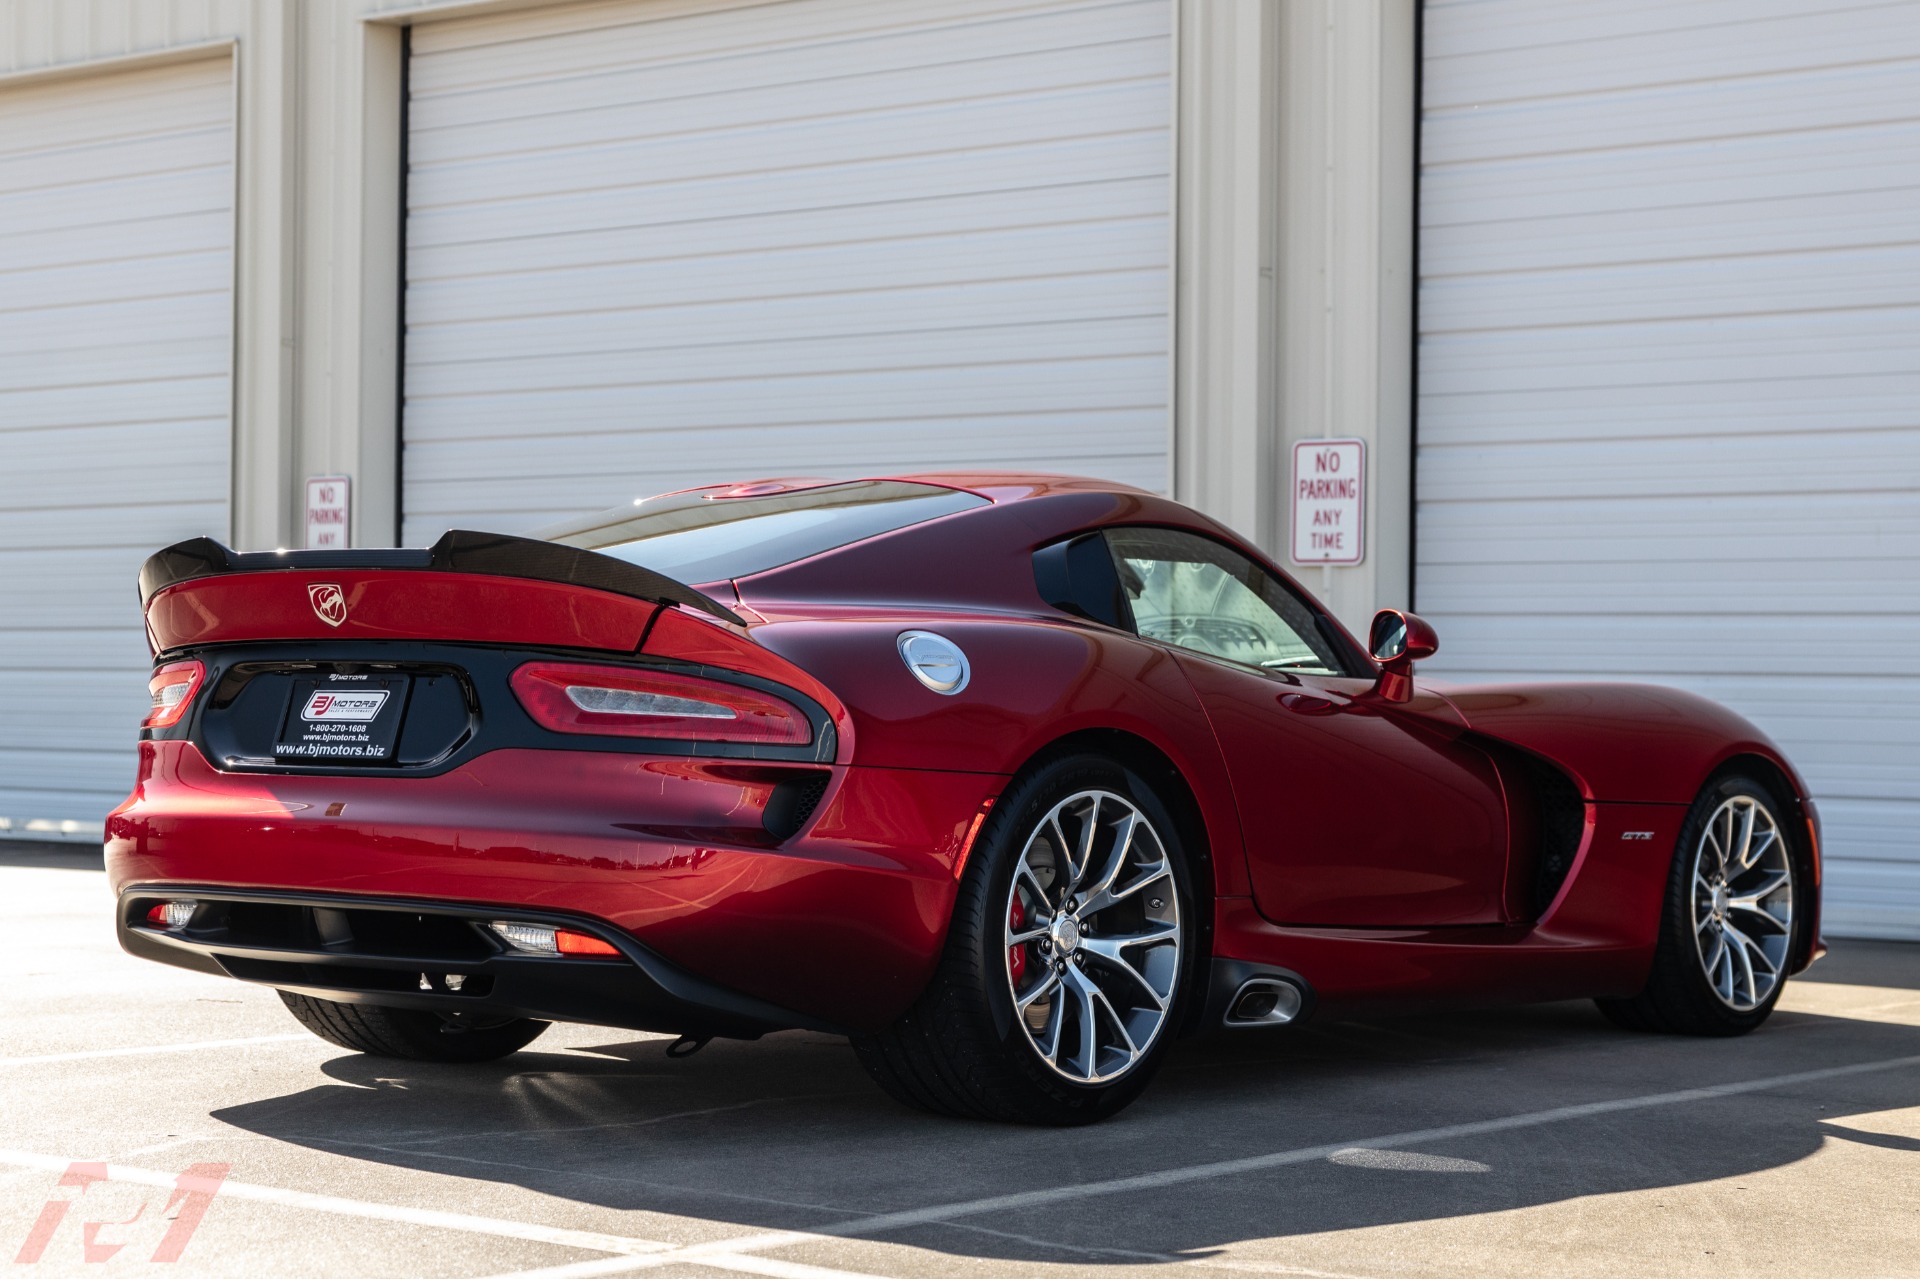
[{"x": 350, "y": 718}]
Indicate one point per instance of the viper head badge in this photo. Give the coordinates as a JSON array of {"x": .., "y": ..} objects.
[{"x": 329, "y": 602}]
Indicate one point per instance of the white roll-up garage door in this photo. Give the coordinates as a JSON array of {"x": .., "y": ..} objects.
[
  {"x": 1669, "y": 413},
  {"x": 116, "y": 266},
  {"x": 653, "y": 245}
]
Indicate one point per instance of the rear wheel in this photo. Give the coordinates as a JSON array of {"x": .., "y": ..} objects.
[
  {"x": 409, "y": 1033},
  {"x": 1067, "y": 960},
  {"x": 1727, "y": 933}
]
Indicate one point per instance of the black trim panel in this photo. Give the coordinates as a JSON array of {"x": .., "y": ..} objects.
[
  {"x": 1077, "y": 576},
  {"x": 326, "y": 959},
  {"x": 224, "y": 726},
  {"x": 457, "y": 551}
]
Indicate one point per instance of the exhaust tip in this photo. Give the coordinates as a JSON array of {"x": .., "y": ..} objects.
[{"x": 1265, "y": 1001}]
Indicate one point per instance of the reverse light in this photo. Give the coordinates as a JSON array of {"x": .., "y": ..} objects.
[
  {"x": 172, "y": 688},
  {"x": 619, "y": 701},
  {"x": 539, "y": 939},
  {"x": 171, "y": 915}
]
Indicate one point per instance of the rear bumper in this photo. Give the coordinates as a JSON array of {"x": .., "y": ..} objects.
[
  {"x": 669, "y": 858},
  {"x": 439, "y": 959}
]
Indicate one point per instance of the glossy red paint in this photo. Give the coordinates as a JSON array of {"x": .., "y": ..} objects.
[
  {"x": 1412, "y": 640},
  {"x": 1034, "y": 683},
  {"x": 395, "y": 606},
  {"x": 690, "y": 637},
  {"x": 1621, "y": 742},
  {"x": 1596, "y": 939},
  {"x": 1360, "y": 811},
  {"x": 669, "y": 850},
  {"x": 1379, "y": 848}
]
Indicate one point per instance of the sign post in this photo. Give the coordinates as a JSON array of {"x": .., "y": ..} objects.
[
  {"x": 1329, "y": 501},
  {"x": 327, "y": 511}
]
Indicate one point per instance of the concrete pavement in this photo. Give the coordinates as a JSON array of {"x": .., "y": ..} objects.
[{"x": 1536, "y": 1141}]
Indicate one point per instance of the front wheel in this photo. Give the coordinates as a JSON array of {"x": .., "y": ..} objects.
[
  {"x": 1067, "y": 961},
  {"x": 409, "y": 1033},
  {"x": 1727, "y": 934}
]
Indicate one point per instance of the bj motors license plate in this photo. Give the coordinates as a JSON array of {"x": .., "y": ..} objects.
[{"x": 349, "y": 718}]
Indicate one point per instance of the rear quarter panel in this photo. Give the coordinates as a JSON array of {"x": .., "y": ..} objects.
[{"x": 1032, "y": 683}]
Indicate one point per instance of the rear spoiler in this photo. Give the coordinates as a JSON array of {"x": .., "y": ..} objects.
[{"x": 459, "y": 551}]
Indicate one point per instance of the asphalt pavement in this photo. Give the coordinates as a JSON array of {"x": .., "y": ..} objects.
[{"x": 150, "y": 1111}]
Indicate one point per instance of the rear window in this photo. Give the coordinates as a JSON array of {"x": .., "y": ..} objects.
[{"x": 693, "y": 537}]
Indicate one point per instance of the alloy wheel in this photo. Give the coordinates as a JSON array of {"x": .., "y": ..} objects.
[
  {"x": 1093, "y": 937},
  {"x": 1742, "y": 903}
]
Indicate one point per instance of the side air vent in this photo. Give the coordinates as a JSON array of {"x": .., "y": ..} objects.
[
  {"x": 1549, "y": 819},
  {"x": 1562, "y": 822},
  {"x": 793, "y": 802}
]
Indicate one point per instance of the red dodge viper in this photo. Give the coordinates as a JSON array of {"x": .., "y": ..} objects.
[{"x": 1011, "y": 779}]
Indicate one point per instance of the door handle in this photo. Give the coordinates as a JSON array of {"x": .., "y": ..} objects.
[{"x": 1308, "y": 704}]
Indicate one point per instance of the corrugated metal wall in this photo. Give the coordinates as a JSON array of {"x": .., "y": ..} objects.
[
  {"x": 116, "y": 231},
  {"x": 1669, "y": 412},
  {"x": 828, "y": 236}
]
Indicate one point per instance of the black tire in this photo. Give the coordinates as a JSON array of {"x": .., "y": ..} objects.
[
  {"x": 1678, "y": 998},
  {"x": 408, "y": 1033},
  {"x": 960, "y": 1050}
]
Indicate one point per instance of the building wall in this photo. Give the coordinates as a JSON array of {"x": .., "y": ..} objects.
[
  {"x": 647, "y": 252},
  {"x": 1668, "y": 424},
  {"x": 116, "y": 346},
  {"x": 1291, "y": 302},
  {"x": 1291, "y": 235},
  {"x": 1294, "y": 127}
]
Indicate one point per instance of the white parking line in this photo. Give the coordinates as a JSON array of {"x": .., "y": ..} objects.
[
  {"x": 720, "y": 1252},
  {"x": 45, "y": 1059},
  {"x": 630, "y": 1254}
]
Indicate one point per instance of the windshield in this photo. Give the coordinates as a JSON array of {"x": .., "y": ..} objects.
[{"x": 694, "y": 537}]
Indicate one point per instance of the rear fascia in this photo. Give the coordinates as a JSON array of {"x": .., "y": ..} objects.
[
  {"x": 494, "y": 718},
  {"x": 840, "y": 921}
]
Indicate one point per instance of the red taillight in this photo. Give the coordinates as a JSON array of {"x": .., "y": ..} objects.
[
  {"x": 172, "y": 688},
  {"x": 571, "y": 943},
  {"x": 545, "y": 939},
  {"x": 622, "y": 702}
]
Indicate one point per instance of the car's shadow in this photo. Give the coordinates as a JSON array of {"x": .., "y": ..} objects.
[{"x": 788, "y": 1133}]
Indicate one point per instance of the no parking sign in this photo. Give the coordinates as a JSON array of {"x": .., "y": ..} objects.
[
  {"x": 1329, "y": 501},
  {"x": 327, "y": 511}
]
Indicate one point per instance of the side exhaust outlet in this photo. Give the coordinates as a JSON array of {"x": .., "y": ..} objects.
[{"x": 1264, "y": 1001}]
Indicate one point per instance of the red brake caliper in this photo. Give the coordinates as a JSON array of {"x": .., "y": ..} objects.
[{"x": 1017, "y": 955}]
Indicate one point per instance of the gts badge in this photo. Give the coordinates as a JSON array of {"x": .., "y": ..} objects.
[{"x": 1636, "y": 834}]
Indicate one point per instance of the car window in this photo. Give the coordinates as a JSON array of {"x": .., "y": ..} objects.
[
  {"x": 1193, "y": 592},
  {"x": 697, "y": 537}
]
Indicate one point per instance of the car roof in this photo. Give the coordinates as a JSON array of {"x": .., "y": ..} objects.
[{"x": 995, "y": 486}]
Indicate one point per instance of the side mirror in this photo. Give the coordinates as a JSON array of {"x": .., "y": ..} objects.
[{"x": 1397, "y": 641}]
